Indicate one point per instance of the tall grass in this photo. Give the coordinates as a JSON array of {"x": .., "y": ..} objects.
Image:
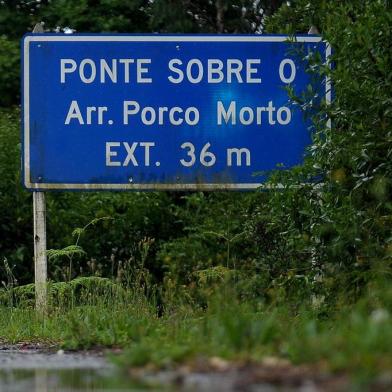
[{"x": 80, "y": 317}]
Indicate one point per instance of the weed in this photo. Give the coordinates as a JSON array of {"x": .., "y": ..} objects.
[{"x": 73, "y": 250}]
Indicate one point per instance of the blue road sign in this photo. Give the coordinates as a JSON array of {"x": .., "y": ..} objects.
[{"x": 163, "y": 111}]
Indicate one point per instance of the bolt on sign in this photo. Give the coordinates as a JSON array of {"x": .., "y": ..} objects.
[{"x": 118, "y": 112}]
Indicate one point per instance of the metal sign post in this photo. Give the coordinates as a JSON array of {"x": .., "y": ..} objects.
[{"x": 40, "y": 259}]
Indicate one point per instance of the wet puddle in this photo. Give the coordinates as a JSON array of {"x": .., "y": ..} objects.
[
  {"x": 35, "y": 371},
  {"x": 42, "y": 371}
]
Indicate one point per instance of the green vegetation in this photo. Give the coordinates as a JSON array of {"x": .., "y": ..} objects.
[
  {"x": 63, "y": 294},
  {"x": 354, "y": 339},
  {"x": 301, "y": 272}
]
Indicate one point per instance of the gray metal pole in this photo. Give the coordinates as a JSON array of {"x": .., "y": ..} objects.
[{"x": 40, "y": 259}]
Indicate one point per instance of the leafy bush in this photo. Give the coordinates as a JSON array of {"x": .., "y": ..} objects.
[
  {"x": 335, "y": 235},
  {"x": 16, "y": 204},
  {"x": 9, "y": 71}
]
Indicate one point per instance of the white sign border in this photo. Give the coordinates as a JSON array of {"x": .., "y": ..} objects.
[{"x": 142, "y": 38}]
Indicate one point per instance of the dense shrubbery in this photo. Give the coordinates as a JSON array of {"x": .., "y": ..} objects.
[
  {"x": 308, "y": 241},
  {"x": 15, "y": 224},
  {"x": 339, "y": 231}
]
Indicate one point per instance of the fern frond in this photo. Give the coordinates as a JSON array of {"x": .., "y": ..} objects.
[
  {"x": 212, "y": 274},
  {"x": 68, "y": 251},
  {"x": 78, "y": 231}
]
